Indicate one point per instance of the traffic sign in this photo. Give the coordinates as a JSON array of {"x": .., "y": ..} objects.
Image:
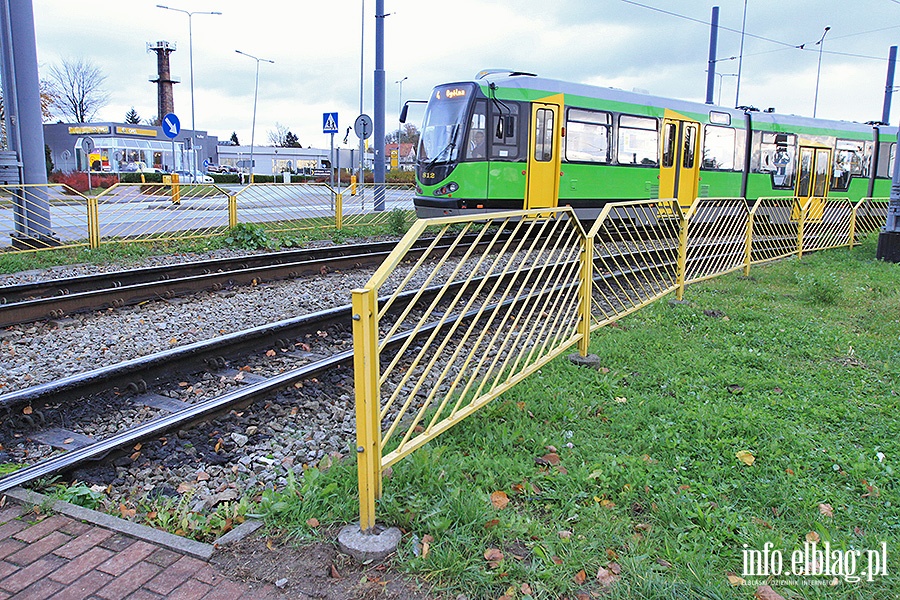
[
  {"x": 363, "y": 127},
  {"x": 171, "y": 126},
  {"x": 330, "y": 122},
  {"x": 206, "y": 163},
  {"x": 87, "y": 144}
]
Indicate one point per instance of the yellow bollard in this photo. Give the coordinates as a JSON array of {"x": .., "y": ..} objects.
[
  {"x": 353, "y": 185},
  {"x": 339, "y": 211},
  {"x": 232, "y": 211},
  {"x": 93, "y": 220}
]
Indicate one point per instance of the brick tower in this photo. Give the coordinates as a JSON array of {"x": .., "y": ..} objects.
[{"x": 166, "y": 98}]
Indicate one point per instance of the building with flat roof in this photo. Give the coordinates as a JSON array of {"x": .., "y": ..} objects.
[{"x": 116, "y": 145}]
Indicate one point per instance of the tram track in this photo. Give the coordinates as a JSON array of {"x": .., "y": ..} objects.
[{"x": 54, "y": 299}]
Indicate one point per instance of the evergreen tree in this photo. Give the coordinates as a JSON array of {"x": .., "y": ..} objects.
[
  {"x": 132, "y": 118},
  {"x": 291, "y": 141},
  {"x": 234, "y": 138}
]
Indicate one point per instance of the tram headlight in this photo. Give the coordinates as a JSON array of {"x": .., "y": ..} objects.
[{"x": 446, "y": 189}]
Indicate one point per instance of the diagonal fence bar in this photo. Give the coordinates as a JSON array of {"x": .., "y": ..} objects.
[{"x": 38, "y": 217}]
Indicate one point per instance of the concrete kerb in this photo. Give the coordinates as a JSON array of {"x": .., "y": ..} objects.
[
  {"x": 368, "y": 547},
  {"x": 135, "y": 530}
]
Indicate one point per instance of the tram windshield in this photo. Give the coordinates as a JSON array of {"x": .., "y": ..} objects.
[{"x": 444, "y": 118}]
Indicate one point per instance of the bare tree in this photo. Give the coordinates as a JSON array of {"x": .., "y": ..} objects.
[
  {"x": 48, "y": 97},
  {"x": 278, "y": 137},
  {"x": 79, "y": 88}
]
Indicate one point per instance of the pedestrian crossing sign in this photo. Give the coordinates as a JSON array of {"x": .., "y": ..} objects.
[{"x": 330, "y": 122}]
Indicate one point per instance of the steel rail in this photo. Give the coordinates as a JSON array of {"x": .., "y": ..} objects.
[
  {"x": 124, "y": 288},
  {"x": 201, "y": 410}
]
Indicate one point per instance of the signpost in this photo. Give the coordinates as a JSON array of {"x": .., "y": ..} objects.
[
  {"x": 171, "y": 127},
  {"x": 87, "y": 145},
  {"x": 363, "y": 129},
  {"x": 330, "y": 125}
]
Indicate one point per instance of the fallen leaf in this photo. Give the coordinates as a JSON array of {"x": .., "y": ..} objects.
[
  {"x": 604, "y": 370},
  {"x": 426, "y": 544},
  {"x": 520, "y": 405},
  {"x": 493, "y": 556},
  {"x": 312, "y": 522},
  {"x": 764, "y": 592},
  {"x": 580, "y": 577},
  {"x": 550, "y": 448},
  {"x": 551, "y": 458},
  {"x": 789, "y": 471},
  {"x": 556, "y": 560},
  {"x": 270, "y": 353},
  {"x": 562, "y": 470},
  {"x": 826, "y": 510},
  {"x": 219, "y": 445},
  {"x": 607, "y": 504},
  {"x": 68, "y": 440},
  {"x": 202, "y": 476},
  {"x": 642, "y": 527},
  {"x": 612, "y": 554},
  {"x": 812, "y": 537},
  {"x": 26, "y": 410},
  {"x": 608, "y": 575},
  {"x": 778, "y": 390},
  {"x": 745, "y": 457},
  {"x": 663, "y": 562},
  {"x": 334, "y": 572},
  {"x": 735, "y": 389},
  {"x": 184, "y": 487},
  {"x": 734, "y": 579},
  {"x": 518, "y": 488},
  {"x": 564, "y": 535},
  {"x": 499, "y": 499},
  {"x": 761, "y": 523},
  {"x": 525, "y": 589},
  {"x": 856, "y": 530},
  {"x": 126, "y": 512},
  {"x": 621, "y": 399},
  {"x": 491, "y": 523}
]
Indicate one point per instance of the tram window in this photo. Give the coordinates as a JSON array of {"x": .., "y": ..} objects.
[
  {"x": 507, "y": 146},
  {"x": 543, "y": 135},
  {"x": 886, "y": 160},
  {"x": 670, "y": 140},
  {"x": 776, "y": 156},
  {"x": 638, "y": 142},
  {"x": 690, "y": 146},
  {"x": 476, "y": 140},
  {"x": 587, "y": 136},
  {"x": 849, "y": 161},
  {"x": 718, "y": 148}
]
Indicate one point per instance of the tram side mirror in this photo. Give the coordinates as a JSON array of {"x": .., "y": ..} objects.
[{"x": 403, "y": 113}]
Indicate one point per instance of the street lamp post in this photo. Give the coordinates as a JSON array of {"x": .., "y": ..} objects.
[
  {"x": 255, "y": 95},
  {"x": 193, "y": 166},
  {"x": 820, "y": 44},
  {"x": 399, "y": 124}
]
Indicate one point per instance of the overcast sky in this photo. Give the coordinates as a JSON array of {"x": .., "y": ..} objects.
[{"x": 316, "y": 49}]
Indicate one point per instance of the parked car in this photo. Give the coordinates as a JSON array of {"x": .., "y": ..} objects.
[
  {"x": 140, "y": 167},
  {"x": 195, "y": 177}
]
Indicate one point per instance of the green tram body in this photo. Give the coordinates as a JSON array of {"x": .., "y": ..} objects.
[{"x": 742, "y": 152}]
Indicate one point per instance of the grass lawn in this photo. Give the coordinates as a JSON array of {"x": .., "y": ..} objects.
[{"x": 764, "y": 410}]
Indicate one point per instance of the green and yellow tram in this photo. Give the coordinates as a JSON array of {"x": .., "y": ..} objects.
[{"x": 514, "y": 140}]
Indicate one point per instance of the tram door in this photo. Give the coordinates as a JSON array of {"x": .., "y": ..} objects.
[
  {"x": 813, "y": 177},
  {"x": 679, "y": 166},
  {"x": 544, "y": 149}
]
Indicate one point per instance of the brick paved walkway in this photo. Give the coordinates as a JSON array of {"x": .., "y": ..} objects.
[{"x": 59, "y": 557}]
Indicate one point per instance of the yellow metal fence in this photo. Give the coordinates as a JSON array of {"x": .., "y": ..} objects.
[
  {"x": 494, "y": 298},
  {"x": 35, "y": 217}
]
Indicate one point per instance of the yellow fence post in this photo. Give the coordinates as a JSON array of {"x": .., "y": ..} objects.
[
  {"x": 585, "y": 292},
  {"x": 800, "y": 223},
  {"x": 353, "y": 185},
  {"x": 852, "y": 237},
  {"x": 748, "y": 244},
  {"x": 366, "y": 375},
  {"x": 339, "y": 210},
  {"x": 232, "y": 210},
  {"x": 93, "y": 222},
  {"x": 176, "y": 189},
  {"x": 682, "y": 252}
]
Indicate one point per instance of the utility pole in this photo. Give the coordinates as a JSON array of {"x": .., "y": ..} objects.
[
  {"x": 713, "y": 41},
  {"x": 379, "y": 105},
  {"x": 889, "y": 86}
]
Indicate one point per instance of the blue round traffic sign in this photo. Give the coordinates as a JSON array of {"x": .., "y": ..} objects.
[{"x": 170, "y": 125}]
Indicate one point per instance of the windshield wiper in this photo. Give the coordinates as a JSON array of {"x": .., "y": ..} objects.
[{"x": 449, "y": 146}]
